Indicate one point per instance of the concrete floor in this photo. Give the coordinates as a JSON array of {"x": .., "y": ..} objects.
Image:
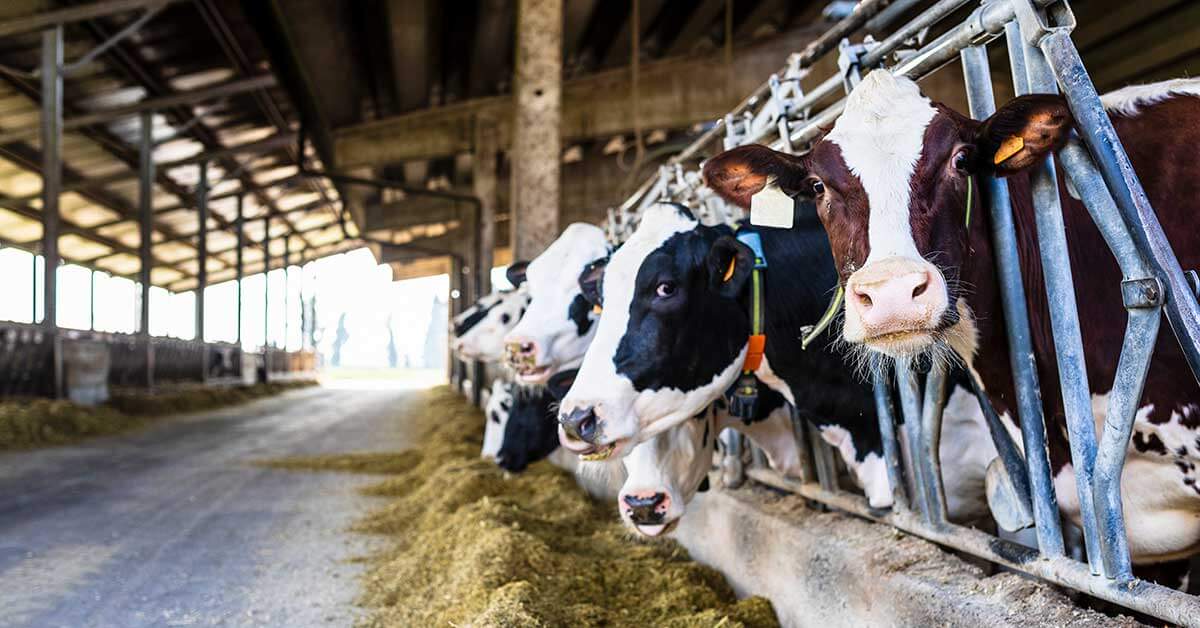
[{"x": 172, "y": 526}]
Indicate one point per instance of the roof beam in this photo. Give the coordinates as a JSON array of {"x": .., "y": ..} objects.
[
  {"x": 595, "y": 106},
  {"x": 221, "y": 90},
  {"x": 89, "y": 11}
]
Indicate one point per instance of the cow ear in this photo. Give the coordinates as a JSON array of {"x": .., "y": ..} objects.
[
  {"x": 516, "y": 273},
  {"x": 729, "y": 266},
  {"x": 1021, "y": 133},
  {"x": 738, "y": 174},
  {"x": 589, "y": 281},
  {"x": 560, "y": 383}
]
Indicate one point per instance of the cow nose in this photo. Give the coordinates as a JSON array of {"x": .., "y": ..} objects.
[
  {"x": 646, "y": 508},
  {"x": 897, "y": 302},
  {"x": 521, "y": 350},
  {"x": 580, "y": 424}
]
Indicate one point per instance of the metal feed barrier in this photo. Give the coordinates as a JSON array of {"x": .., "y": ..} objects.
[{"x": 1043, "y": 59}]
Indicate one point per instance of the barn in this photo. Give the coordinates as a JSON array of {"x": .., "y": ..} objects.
[{"x": 582, "y": 313}]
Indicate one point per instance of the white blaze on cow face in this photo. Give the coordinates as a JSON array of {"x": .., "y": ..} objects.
[
  {"x": 624, "y": 415},
  {"x": 547, "y": 340},
  {"x": 500, "y": 312},
  {"x": 664, "y": 473},
  {"x": 897, "y": 297}
]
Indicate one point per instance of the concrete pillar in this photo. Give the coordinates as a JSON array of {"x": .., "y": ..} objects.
[
  {"x": 52, "y": 121},
  {"x": 240, "y": 225},
  {"x": 536, "y": 127},
  {"x": 487, "y": 148},
  {"x": 145, "y": 215}
]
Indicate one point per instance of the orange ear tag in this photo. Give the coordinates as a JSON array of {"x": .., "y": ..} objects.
[
  {"x": 1008, "y": 148},
  {"x": 596, "y": 309},
  {"x": 729, "y": 271}
]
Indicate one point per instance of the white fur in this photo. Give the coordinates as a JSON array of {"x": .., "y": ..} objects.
[
  {"x": 773, "y": 381},
  {"x": 881, "y": 134},
  {"x": 553, "y": 282},
  {"x": 1128, "y": 101},
  {"x": 623, "y": 412},
  {"x": 870, "y": 473}
]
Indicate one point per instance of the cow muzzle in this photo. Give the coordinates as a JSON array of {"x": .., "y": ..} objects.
[
  {"x": 580, "y": 432},
  {"x": 895, "y": 305},
  {"x": 647, "y": 511},
  {"x": 523, "y": 354}
]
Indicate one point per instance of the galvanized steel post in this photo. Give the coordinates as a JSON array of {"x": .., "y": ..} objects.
[{"x": 239, "y": 264}]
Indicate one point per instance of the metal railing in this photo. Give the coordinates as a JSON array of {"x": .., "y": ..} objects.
[{"x": 1042, "y": 59}]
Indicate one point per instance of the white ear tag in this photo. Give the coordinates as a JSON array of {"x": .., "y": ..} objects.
[{"x": 772, "y": 208}]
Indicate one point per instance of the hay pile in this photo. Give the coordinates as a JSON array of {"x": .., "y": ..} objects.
[
  {"x": 473, "y": 546},
  {"x": 37, "y": 422}
]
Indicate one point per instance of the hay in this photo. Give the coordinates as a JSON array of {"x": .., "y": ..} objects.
[
  {"x": 474, "y": 546},
  {"x": 35, "y": 422}
]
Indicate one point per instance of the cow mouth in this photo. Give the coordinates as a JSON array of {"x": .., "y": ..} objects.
[
  {"x": 903, "y": 343},
  {"x": 532, "y": 374},
  {"x": 656, "y": 530},
  {"x": 602, "y": 452}
]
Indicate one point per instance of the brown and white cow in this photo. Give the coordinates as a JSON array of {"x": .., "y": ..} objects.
[{"x": 890, "y": 181}]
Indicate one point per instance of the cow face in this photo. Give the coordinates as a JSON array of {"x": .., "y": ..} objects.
[
  {"x": 890, "y": 182},
  {"x": 479, "y": 332},
  {"x": 558, "y": 326},
  {"x": 664, "y": 473},
  {"x": 671, "y": 337},
  {"x": 531, "y": 432},
  {"x": 496, "y": 417}
]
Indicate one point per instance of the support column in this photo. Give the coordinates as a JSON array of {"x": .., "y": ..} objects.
[
  {"x": 487, "y": 148},
  {"x": 537, "y": 127},
  {"x": 92, "y": 301},
  {"x": 266, "y": 244},
  {"x": 201, "y": 247},
  {"x": 145, "y": 222},
  {"x": 240, "y": 227},
  {"x": 287, "y": 297},
  {"x": 52, "y": 85}
]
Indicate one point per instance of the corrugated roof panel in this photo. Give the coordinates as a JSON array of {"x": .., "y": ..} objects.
[
  {"x": 75, "y": 248},
  {"x": 17, "y": 228}
]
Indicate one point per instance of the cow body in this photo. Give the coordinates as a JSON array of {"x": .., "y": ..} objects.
[{"x": 929, "y": 284}]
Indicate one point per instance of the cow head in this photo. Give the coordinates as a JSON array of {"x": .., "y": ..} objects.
[
  {"x": 664, "y": 473},
  {"x": 671, "y": 336},
  {"x": 558, "y": 326},
  {"x": 479, "y": 331},
  {"x": 496, "y": 417},
  {"x": 891, "y": 185},
  {"x": 531, "y": 432}
]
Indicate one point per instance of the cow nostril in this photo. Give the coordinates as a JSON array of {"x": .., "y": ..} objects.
[
  {"x": 526, "y": 347},
  {"x": 587, "y": 427},
  {"x": 580, "y": 424},
  {"x": 919, "y": 290},
  {"x": 863, "y": 298}
]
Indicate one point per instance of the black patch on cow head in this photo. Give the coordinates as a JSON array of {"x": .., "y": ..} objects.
[
  {"x": 560, "y": 383},
  {"x": 580, "y": 313},
  {"x": 494, "y": 416},
  {"x": 478, "y": 313},
  {"x": 684, "y": 326},
  {"x": 703, "y": 488},
  {"x": 591, "y": 281},
  {"x": 531, "y": 433}
]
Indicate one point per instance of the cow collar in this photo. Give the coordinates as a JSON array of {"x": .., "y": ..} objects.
[{"x": 744, "y": 399}]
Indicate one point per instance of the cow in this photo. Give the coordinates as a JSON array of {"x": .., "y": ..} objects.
[
  {"x": 672, "y": 337},
  {"x": 663, "y": 474},
  {"x": 496, "y": 413},
  {"x": 893, "y": 182},
  {"x": 558, "y": 326},
  {"x": 479, "y": 331},
  {"x": 531, "y": 432}
]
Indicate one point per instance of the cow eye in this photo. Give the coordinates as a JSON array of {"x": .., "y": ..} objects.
[
  {"x": 818, "y": 187},
  {"x": 665, "y": 289},
  {"x": 960, "y": 161},
  {"x": 504, "y": 318}
]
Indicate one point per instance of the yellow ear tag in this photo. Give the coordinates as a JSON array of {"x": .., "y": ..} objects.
[
  {"x": 1008, "y": 148},
  {"x": 729, "y": 271},
  {"x": 596, "y": 309}
]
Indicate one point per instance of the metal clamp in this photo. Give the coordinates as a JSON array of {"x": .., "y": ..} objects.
[
  {"x": 1193, "y": 278},
  {"x": 1142, "y": 293},
  {"x": 850, "y": 60},
  {"x": 1034, "y": 21}
]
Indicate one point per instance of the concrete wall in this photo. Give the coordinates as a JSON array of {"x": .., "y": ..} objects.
[{"x": 831, "y": 569}]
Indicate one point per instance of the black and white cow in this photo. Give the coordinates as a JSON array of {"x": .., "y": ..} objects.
[
  {"x": 479, "y": 331},
  {"x": 673, "y": 337},
  {"x": 496, "y": 413},
  {"x": 531, "y": 431},
  {"x": 558, "y": 326},
  {"x": 663, "y": 474}
]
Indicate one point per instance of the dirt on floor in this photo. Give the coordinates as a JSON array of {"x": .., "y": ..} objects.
[
  {"x": 471, "y": 545},
  {"x": 38, "y": 422}
]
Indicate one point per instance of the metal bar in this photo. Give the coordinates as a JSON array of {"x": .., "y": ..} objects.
[
  {"x": 129, "y": 29},
  {"x": 80, "y": 13},
  {"x": 240, "y": 224},
  {"x": 823, "y": 457},
  {"x": 1145, "y": 597},
  {"x": 51, "y": 132},
  {"x": 1016, "y": 318},
  {"x": 808, "y": 472},
  {"x": 287, "y": 288},
  {"x": 891, "y": 446},
  {"x": 862, "y": 12},
  {"x": 928, "y": 447},
  {"x": 1097, "y": 132},
  {"x": 266, "y": 241},
  {"x": 33, "y": 301},
  {"x": 201, "y": 248},
  {"x": 927, "y": 18},
  {"x": 1064, "y": 321},
  {"x": 92, "y": 300},
  {"x": 910, "y": 407},
  {"x": 733, "y": 471}
]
